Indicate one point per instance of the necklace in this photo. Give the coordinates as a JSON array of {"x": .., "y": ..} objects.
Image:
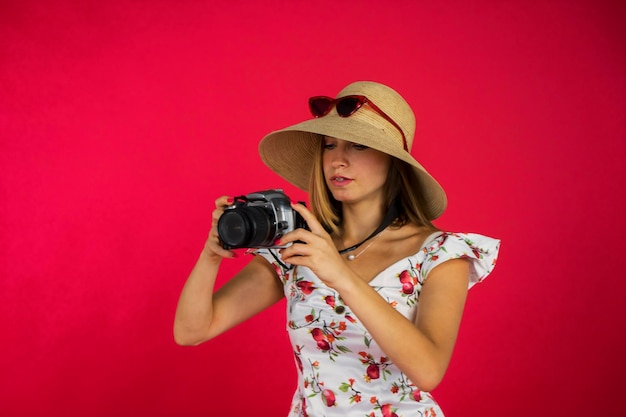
[
  {"x": 390, "y": 216},
  {"x": 352, "y": 256}
]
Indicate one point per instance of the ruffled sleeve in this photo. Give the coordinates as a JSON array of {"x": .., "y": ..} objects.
[{"x": 481, "y": 250}]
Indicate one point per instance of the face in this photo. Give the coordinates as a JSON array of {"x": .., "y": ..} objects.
[{"x": 354, "y": 172}]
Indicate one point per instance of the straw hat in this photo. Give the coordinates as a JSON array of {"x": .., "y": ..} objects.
[{"x": 289, "y": 151}]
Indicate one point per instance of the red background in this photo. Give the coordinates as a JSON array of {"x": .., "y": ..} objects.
[{"x": 122, "y": 121}]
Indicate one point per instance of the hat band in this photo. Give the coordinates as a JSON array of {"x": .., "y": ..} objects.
[{"x": 348, "y": 105}]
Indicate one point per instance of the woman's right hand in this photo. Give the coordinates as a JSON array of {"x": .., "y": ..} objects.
[{"x": 213, "y": 246}]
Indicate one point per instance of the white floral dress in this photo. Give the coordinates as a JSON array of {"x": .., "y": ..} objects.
[{"x": 341, "y": 370}]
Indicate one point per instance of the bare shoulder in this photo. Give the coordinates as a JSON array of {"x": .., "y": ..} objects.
[{"x": 407, "y": 240}]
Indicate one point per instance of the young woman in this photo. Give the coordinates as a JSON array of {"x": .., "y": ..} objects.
[{"x": 375, "y": 292}]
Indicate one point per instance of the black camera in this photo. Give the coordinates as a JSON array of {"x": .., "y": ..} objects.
[{"x": 257, "y": 220}]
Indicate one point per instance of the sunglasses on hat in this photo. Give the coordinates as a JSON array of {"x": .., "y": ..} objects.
[{"x": 346, "y": 106}]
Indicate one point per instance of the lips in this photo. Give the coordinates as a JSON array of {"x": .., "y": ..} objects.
[{"x": 339, "y": 181}]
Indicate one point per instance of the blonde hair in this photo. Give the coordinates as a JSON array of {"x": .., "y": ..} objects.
[
  {"x": 323, "y": 205},
  {"x": 402, "y": 188}
]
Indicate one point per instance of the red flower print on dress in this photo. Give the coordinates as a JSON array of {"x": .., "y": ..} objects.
[
  {"x": 299, "y": 286},
  {"x": 417, "y": 395},
  {"x": 326, "y": 336},
  {"x": 409, "y": 280},
  {"x": 317, "y": 387},
  {"x": 329, "y": 397},
  {"x": 388, "y": 411},
  {"x": 408, "y": 284},
  {"x": 406, "y": 388},
  {"x": 305, "y": 286},
  {"x": 330, "y": 300},
  {"x": 374, "y": 368},
  {"x": 349, "y": 386},
  {"x": 430, "y": 413},
  {"x": 431, "y": 251},
  {"x": 320, "y": 338},
  {"x": 373, "y": 371},
  {"x": 337, "y": 305}
]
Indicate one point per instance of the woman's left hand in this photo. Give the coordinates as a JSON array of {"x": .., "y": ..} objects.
[{"x": 313, "y": 248}]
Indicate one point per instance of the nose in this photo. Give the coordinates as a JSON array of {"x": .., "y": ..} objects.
[{"x": 339, "y": 158}]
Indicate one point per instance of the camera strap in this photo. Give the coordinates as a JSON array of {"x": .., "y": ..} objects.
[{"x": 390, "y": 216}]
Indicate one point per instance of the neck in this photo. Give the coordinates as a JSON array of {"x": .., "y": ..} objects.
[
  {"x": 359, "y": 222},
  {"x": 357, "y": 227}
]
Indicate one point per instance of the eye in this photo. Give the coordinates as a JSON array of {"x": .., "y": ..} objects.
[
  {"x": 359, "y": 147},
  {"x": 329, "y": 143}
]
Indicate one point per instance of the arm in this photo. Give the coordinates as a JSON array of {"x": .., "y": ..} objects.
[
  {"x": 202, "y": 314},
  {"x": 422, "y": 350}
]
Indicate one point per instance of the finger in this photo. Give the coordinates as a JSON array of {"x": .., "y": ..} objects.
[
  {"x": 220, "y": 204},
  {"x": 300, "y": 235},
  {"x": 310, "y": 219},
  {"x": 216, "y": 214},
  {"x": 224, "y": 201},
  {"x": 304, "y": 237},
  {"x": 218, "y": 250},
  {"x": 295, "y": 252},
  {"x": 215, "y": 246}
]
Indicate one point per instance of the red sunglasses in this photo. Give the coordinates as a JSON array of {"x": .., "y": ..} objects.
[{"x": 347, "y": 106}]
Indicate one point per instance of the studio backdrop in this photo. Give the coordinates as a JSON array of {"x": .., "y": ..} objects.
[{"x": 121, "y": 122}]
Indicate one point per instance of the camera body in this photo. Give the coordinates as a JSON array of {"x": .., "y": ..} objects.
[{"x": 257, "y": 220}]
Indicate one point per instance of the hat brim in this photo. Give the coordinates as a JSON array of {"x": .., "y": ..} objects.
[{"x": 289, "y": 152}]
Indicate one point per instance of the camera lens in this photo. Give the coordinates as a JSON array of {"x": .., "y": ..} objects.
[{"x": 246, "y": 227}]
